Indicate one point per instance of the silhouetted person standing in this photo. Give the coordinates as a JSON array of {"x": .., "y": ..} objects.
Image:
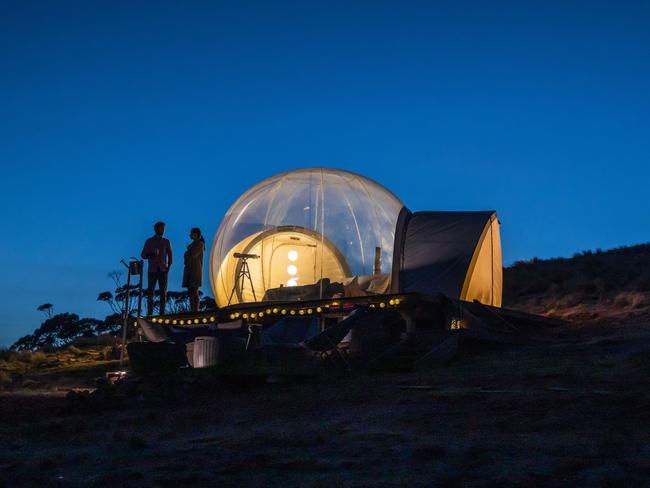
[
  {"x": 158, "y": 251},
  {"x": 193, "y": 272}
]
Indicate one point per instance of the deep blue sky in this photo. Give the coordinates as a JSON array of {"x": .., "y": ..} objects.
[{"x": 116, "y": 114}]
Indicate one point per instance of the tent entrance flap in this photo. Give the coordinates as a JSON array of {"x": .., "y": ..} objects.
[{"x": 484, "y": 279}]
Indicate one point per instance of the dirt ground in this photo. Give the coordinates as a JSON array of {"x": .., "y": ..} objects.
[{"x": 575, "y": 412}]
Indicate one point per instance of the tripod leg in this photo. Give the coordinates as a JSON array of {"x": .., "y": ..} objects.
[
  {"x": 250, "y": 280},
  {"x": 242, "y": 278},
  {"x": 234, "y": 287}
]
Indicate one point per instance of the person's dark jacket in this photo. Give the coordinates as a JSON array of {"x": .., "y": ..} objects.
[
  {"x": 193, "y": 272},
  {"x": 158, "y": 251}
]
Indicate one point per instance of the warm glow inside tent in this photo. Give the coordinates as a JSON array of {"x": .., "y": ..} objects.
[
  {"x": 288, "y": 257},
  {"x": 316, "y": 233},
  {"x": 484, "y": 278}
]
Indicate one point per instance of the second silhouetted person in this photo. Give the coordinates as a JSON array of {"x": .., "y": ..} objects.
[{"x": 193, "y": 272}]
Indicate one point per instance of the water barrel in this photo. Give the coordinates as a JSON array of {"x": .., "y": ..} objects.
[{"x": 206, "y": 352}]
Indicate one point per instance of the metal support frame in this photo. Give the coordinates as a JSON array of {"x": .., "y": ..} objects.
[{"x": 134, "y": 268}]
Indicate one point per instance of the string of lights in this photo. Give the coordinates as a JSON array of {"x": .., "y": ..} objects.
[{"x": 263, "y": 313}]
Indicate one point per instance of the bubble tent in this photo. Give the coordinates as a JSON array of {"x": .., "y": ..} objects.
[
  {"x": 311, "y": 229},
  {"x": 309, "y": 261}
]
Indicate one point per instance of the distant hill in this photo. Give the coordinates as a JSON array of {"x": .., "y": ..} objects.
[{"x": 590, "y": 286}]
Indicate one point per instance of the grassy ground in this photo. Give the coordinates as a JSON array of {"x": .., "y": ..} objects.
[
  {"x": 572, "y": 413},
  {"x": 61, "y": 370},
  {"x": 589, "y": 287}
]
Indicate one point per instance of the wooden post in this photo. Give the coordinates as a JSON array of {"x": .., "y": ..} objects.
[
  {"x": 141, "y": 265},
  {"x": 125, "y": 323}
]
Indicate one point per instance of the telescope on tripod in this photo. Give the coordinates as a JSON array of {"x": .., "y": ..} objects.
[{"x": 243, "y": 274}]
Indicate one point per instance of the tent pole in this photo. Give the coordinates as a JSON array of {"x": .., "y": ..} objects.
[
  {"x": 322, "y": 234},
  {"x": 491, "y": 264}
]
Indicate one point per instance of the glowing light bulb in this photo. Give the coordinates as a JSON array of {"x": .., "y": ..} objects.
[
  {"x": 292, "y": 282},
  {"x": 284, "y": 312},
  {"x": 293, "y": 255},
  {"x": 319, "y": 310},
  {"x": 292, "y": 270}
]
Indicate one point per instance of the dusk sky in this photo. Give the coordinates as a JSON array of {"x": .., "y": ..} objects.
[{"x": 118, "y": 114}]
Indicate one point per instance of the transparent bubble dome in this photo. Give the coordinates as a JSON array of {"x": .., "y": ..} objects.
[{"x": 310, "y": 231}]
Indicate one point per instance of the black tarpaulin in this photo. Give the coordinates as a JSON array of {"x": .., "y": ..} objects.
[{"x": 435, "y": 250}]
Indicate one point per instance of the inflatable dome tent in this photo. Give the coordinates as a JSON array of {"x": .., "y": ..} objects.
[
  {"x": 321, "y": 233},
  {"x": 309, "y": 234}
]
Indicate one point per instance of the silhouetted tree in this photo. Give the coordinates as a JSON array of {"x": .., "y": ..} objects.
[
  {"x": 177, "y": 301},
  {"x": 111, "y": 324},
  {"x": 208, "y": 303},
  {"x": 47, "y": 309},
  {"x": 59, "y": 330},
  {"x": 107, "y": 296},
  {"x": 27, "y": 342},
  {"x": 116, "y": 300}
]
